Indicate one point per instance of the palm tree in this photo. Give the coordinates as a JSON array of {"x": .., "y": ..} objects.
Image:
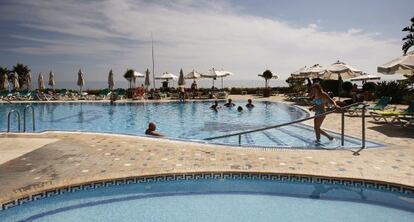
[
  {"x": 22, "y": 70},
  {"x": 129, "y": 75},
  {"x": 409, "y": 39},
  {"x": 267, "y": 75}
]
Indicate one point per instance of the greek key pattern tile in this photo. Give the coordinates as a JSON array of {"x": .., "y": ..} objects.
[{"x": 211, "y": 176}]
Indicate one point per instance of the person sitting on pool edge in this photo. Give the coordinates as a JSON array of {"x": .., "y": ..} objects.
[
  {"x": 229, "y": 104},
  {"x": 215, "y": 106},
  {"x": 151, "y": 130},
  {"x": 249, "y": 104}
]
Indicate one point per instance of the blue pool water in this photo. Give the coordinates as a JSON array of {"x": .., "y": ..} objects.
[
  {"x": 218, "y": 199},
  {"x": 190, "y": 121}
]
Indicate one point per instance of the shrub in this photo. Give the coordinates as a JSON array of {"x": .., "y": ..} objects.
[
  {"x": 369, "y": 86},
  {"x": 347, "y": 86},
  {"x": 330, "y": 86},
  {"x": 396, "y": 90}
]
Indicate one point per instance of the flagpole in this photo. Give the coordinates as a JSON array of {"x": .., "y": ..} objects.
[{"x": 153, "y": 72}]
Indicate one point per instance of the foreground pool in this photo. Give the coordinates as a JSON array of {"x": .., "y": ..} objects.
[
  {"x": 218, "y": 197},
  {"x": 189, "y": 121}
]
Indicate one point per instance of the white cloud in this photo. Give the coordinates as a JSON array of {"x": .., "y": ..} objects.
[{"x": 188, "y": 34}]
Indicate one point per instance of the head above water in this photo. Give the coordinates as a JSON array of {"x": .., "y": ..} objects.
[
  {"x": 216, "y": 102},
  {"x": 249, "y": 101},
  {"x": 152, "y": 126},
  {"x": 230, "y": 100},
  {"x": 239, "y": 108}
]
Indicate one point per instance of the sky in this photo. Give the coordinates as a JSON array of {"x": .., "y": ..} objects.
[{"x": 241, "y": 36}]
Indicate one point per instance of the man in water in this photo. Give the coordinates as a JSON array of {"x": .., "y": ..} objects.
[
  {"x": 151, "y": 130},
  {"x": 229, "y": 104},
  {"x": 240, "y": 109},
  {"x": 249, "y": 104},
  {"x": 215, "y": 106}
]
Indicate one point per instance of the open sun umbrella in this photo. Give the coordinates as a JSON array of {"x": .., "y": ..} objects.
[
  {"x": 29, "y": 81},
  {"x": 214, "y": 74},
  {"x": 16, "y": 84},
  {"x": 401, "y": 65},
  {"x": 340, "y": 69},
  {"x": 52, "y": 82},
  {"x": 298, "y": 73},
  {"x": 193, "y": 75},
  {"x": 5, "y": 82},
  {"x": 81, "y": 80},
  {"x": 136, "y": 76},
  {"x": 364, "y": 77},
  {"x": 111, "y": 82},
  {"x": 40, "y": 81},
  {"x": 167, "y": 77},
  {"x": 313, "y": 72},
  {"x": 181, "y": 81}
]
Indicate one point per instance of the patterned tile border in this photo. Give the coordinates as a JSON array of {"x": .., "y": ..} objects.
[{"x": 360, "y": 183}]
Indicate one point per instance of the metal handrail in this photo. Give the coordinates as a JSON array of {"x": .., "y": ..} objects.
[
  {"x": 305, "y": 119},
  {"x": 18, "y": 119},
  {"x": 25, "y": 119}
]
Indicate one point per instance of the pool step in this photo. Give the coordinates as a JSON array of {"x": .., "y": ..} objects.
[{"x": 294, "y": 136}]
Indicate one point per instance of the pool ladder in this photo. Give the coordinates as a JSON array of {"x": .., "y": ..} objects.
[{"x": 24, "y": 118}]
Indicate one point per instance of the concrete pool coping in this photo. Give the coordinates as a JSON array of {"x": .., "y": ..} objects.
[{"x": 83, "y": 157}]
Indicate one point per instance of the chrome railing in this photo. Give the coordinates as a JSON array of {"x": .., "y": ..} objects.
[
  {"x": 18, "y": 119},
  {"x": 25, "y": 119},
  {"x": 342, "y": 109}
]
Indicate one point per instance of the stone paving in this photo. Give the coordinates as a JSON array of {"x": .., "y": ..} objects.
[{"x": 68, "y": 158}]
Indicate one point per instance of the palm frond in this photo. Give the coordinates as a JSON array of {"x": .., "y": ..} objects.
[
  {"x": 407, "y": 45},
  {"x": 409, "y": 36}
]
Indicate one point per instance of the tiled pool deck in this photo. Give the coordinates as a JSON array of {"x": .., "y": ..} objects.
[{"x": 59, "y": 159}]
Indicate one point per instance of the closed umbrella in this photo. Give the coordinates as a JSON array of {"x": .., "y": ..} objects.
[
  {"x": 40, "y": 81},
  {"x": 340, "y": 69},
  {"x": 16, "y": 84},
  {"x": 181, "y": 81},
  {"x": 111, "y": 82},
  {"x": 5, "y": 82},
  {"x": 81, "y": 80},
  {"x": 401, "y": 65},
  {"x": 29, "y": 81},
  {"x": 214, "y": 74},
  {"x": 147, "y": 79},
  {"x": 52, "y": 79}
]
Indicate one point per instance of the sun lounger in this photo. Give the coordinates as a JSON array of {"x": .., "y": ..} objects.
[
  {"x": 395, "y": 116},
  {"x": 380, "y": 105},
  {"x": 103, "y": 94}
]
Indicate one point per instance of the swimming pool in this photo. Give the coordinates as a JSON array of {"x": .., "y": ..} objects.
[
  {"x": 188, "y": 121},
  {"x": 219, "y": 197}
]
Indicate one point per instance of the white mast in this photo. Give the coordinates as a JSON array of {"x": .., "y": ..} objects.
[{"x": 153, "y": 71}]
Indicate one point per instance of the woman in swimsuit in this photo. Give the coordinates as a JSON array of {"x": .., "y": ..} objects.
[{"x": 321, "y": 99}]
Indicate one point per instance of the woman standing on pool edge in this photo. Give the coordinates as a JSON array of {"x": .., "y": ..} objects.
[{"x": 320, "y": 100}]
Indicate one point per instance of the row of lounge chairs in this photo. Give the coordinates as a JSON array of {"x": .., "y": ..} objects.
[
  {"x": 104, "y": 94},
  {"x": 382, "y": 111}
]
